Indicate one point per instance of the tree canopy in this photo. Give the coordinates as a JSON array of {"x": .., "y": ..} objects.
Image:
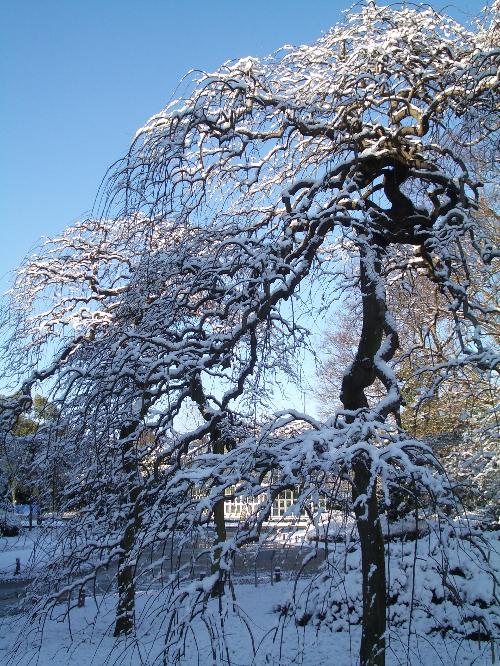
[{"x": 337, "y": 165}]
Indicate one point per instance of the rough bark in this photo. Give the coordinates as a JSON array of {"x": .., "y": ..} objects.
[
  {"x": 220, "y": 529},
  {"x": 360, "y": 375},
  {"x": 125, "y": 576},
  {"x": 372, "y": 649},
  {"x": 218, "y": 444}
]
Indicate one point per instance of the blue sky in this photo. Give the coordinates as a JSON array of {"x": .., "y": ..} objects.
[{"x": 79, "y": 76}]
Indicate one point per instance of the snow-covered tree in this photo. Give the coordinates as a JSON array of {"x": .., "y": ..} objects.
[
  {"x": 321, "y": 168},
  {"x": 459, "y": 417}
]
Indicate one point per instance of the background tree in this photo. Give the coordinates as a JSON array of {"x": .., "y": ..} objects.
[
  {"x": 35, "y": 471},
  {"x": 457, "y": 416}
]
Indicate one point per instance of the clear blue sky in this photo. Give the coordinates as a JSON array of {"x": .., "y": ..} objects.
[{"x": 78, "y": 77}]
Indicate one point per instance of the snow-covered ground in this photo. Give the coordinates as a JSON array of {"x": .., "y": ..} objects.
[
  {"x": 253, "y": 632},
  {"x": 256, "y": 637},
  {"x": 33, "y": 548},
  {"x": 23, "y": 547}
]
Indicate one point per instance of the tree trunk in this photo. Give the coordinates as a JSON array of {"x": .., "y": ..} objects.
[
  {"x": 360, "y": 375},
  {"x": 125, "y": 577},
  {"x": 219, "y": 445},
  {"x": 54, "y": 492},
  {"x": 372, "y": 649},
  {"x": 220, "y": 528},
  {"x": 126, "y": 586}
]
